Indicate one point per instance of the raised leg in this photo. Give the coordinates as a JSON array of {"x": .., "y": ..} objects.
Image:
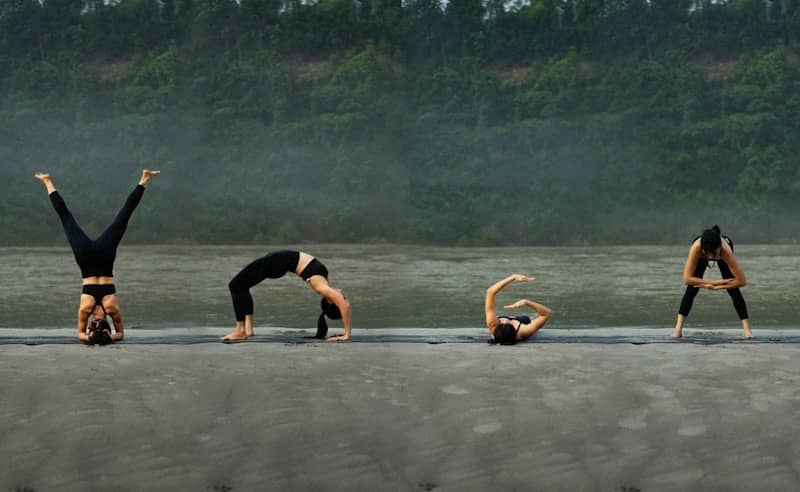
[
  {"x": 111, "y": 237},
  {"x": 78, "y": 240}
]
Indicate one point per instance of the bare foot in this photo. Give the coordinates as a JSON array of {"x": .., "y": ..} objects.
[
  {"x": 337, "y": 338},
  {"x": 147, "y": 175},
  {"x": 46, "y": 181},
  {"x": 676, "y": 334},
  {"x": 235, "y": 335},
  {"x": 748, "y": 334}
]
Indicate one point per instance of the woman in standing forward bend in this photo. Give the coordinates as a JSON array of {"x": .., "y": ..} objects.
[
  {"x": 334, "y": 303},
  {"x": 712, "y": 246},
  {"x": 508, "y": 330},
  {"x": 96, "y": 258}
]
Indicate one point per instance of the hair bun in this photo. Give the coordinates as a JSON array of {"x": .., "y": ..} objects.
[{"x": 330, "y": 309}]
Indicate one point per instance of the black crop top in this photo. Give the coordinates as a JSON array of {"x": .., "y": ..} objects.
[{"x": 524, "y": 320}]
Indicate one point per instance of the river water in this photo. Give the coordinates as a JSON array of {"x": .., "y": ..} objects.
[{"x": 403, "y": 286}]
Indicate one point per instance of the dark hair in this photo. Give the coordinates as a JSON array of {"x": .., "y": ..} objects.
[
  {"x": 504, "y": 334},
  {"x": 330, "y": 310},
  {"x": 710, "y": 240},
  {"x": 99, "y": 332}
]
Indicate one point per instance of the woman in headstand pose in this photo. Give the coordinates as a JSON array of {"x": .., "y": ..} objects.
[
  {"x": 96, "y": 259},
  {"x": 706, "y": 248},
  {"x": 508, "y": 330},
  {"x": 334, "y": 303}
]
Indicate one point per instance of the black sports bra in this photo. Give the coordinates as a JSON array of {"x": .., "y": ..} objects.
[{"x": 523, "y": 320}]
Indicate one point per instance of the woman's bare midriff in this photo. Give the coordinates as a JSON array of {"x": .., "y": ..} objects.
[
  {"x": 302, "y": 263},
  {"x": 98, "y": 280}
]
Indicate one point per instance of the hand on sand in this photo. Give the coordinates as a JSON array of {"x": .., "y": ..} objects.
[{"x": 676, "y": 334}]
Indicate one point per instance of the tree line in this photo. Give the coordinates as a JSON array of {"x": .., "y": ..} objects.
[{"x": 470, "y": 122}]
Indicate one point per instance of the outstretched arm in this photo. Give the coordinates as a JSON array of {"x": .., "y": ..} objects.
[
  {"x": 489, "y": 308},
  {"x": 543, "y": 311}
]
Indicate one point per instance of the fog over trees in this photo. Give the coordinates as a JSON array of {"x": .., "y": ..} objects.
[{"x": 476, "y": 122}]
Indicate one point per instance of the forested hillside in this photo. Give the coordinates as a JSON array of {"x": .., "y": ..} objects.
[{"x": 475, "y": 122}]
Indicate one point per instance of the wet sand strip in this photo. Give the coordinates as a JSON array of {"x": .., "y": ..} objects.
[{"x": 605, "y": 336}]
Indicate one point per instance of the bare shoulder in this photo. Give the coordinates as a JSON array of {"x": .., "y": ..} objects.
[
  {"x": 727, "y": 251},
  {"x": 695, "y": 249}
]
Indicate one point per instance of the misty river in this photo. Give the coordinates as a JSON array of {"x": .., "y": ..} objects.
[{"x": 403, "y": 286}]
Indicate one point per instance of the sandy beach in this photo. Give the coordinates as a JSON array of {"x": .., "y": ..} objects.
[{"x": 400, "y": 416}]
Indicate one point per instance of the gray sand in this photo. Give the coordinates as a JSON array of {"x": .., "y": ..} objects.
[{"x": 400, "y": 416}]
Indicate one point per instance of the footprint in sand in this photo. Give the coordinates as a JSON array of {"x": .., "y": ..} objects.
[
  {"x": 656, "y": 391},
  {"x": 487, "y": 428},
  {"x": 758, "y": 402},
  {"x": 452, "y": 389},
  {"x": 633, "y": 421},
  {"x": 692, "y": 429}
]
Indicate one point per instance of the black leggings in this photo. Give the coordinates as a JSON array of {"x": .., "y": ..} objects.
[
  {"x": 96, "y": 258},
  {"x": 691, "y": 292},
  {"x": 273, "y": 265}
]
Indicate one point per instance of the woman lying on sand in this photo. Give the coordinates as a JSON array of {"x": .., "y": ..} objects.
[{"x": 508, "y": 330}]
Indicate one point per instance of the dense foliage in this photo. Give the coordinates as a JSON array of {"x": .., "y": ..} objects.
[{"x": 473, "y": 122}]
